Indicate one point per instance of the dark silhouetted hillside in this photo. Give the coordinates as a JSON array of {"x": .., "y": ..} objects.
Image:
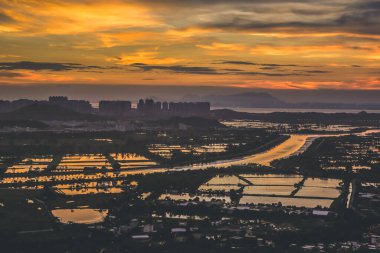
[
  {"x": 23, "y": 123},
  {"x": 361, "y": 118},
  {"x": 196, "y": 122},
  {"x": 46, "y": 112}
]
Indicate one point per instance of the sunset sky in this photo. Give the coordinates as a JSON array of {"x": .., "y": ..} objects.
[{"x": 279, "y": 44}]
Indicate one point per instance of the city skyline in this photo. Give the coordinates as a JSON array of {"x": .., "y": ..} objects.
[{"x": 244, "y": 44}]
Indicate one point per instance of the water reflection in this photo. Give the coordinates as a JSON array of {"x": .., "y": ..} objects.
[
  {"x": 296, "y": 144},
  {"x": 197, "y": 197},
  {"x": 277, "y": 190},
  {"x": 319, "y": 192},
  {"x": 272, "y": 189},
  {"x": 80, "y": 216},
  {"x": 298, "y": 202},
  {"x": 289, "y": 147}
]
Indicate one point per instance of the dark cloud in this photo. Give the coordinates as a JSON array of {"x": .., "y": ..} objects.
[
  {"x": 280, "y": 65},
  {"x": 335, "y": 16},
  {"x": 177, "y": 69},
  {"x": 211, "y": 71},
  {"x": 361, "y": 21},
  {"x": 37, "y": 66},
  {"x": 308, "y": 12},
  {"x": 253, "y": 73},
  {"x": 315, "y": 71},
  {"x": 237, "y": 62},
  {"x": 10, "y": 74},
  {"x": 244, "y": 24},
  {"x": 269, "y": 65},
  {"x": 360, "y": 48},
  {"x": 233, "y": 70},
  {"x": 269, "y": 68},
  {"x": 4, "y": 18},
  {"x": 214, "y": 2},
  {"x": 366, "y": 5}
]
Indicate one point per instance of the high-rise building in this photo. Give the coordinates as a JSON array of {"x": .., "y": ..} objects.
[
  {"x": 149, "y": 106},
  {"x": 165, "y": 106},
  {"x": 115, "y": 107},
  {"x": 141, "y": 106},
  {"x": 58, "y": 99},
  {"x": 81, "y": 106}
]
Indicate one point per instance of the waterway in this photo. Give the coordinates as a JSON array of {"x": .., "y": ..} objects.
[{"x": 296, "y": 144}]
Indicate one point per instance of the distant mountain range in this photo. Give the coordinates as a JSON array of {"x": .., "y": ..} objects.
[
  {"x": 266, "y": 100},
  {"x": 248, "y": 100}
]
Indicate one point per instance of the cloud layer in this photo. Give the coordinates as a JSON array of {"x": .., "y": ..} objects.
[
  {"x": 245, "y": 43},
  {"x": 37, "y": 66}
]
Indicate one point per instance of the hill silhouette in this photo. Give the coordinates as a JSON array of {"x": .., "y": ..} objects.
[
  {"x": 196, "y": 122},
  {"x": 361, "y": 118},
  {"x": 46, "y": 112},
  {"x": 23, "y": 123}
]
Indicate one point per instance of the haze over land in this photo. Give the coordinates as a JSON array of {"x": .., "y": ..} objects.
[{"x": 218, "y": 96}]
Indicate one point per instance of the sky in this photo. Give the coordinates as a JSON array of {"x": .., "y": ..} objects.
[{"x": 271, "y": 44}]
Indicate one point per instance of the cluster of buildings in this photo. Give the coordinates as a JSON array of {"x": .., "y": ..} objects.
[
  {"x": 230, "y": 232},
  {"x": 149, "y": 106},
  {"x": 370, "y": 244},
  {"x": 273, "y": 209},
  {"x": 116, "y": 107},
  {"x": 225, "y": 233},
  {"x": 81, "y": 106}
]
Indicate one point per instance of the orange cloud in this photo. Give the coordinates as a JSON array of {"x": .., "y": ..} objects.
[
  {"x": 52, "y": 17},
  {"x": 301, "y": 34},
  {"x": 365, "y": 83},
  {"x": 9, "y": 56},
  {"x": 289, "y": 50},
  {"x": 363, "y": 51},
  {"x": 34, "y": 77},
  {"x": 222, "y": 49},
  {"x": 186, "y": 33},
  {"x": 126, "y": 38},
  {"x": 146, "y": 57}
]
